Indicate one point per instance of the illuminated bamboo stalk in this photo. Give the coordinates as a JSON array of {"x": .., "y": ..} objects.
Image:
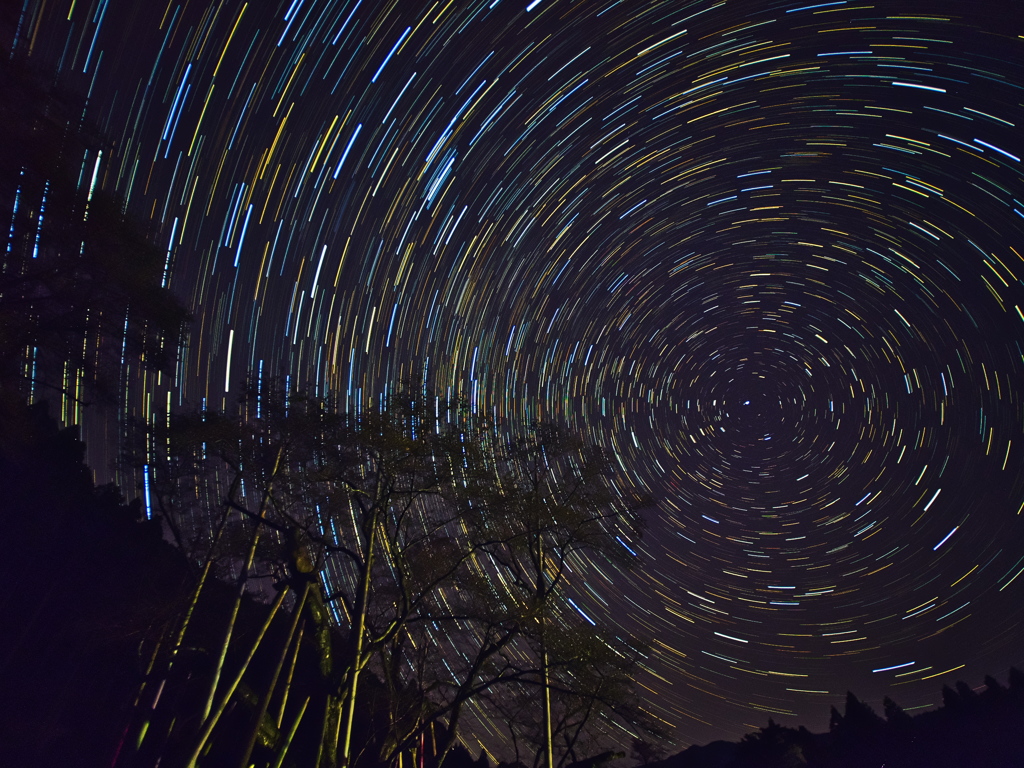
[
  {"x": 211, "y": 721},
  {"x": 194, "y": 599},
  {"x": 288, "y": 680},
  {"x": 264, "y": 704},
  {"x": 545, "y": 672},
  {"x": 135, "y": 705},
  {"x": 243, "y": 578},
  {"x": 362, "y": 611},
  {"x": 291, "y": 735},
  {"x": 156, "y": 699},
  {"x": 179, "y": 640},
  {"x": 548, "y": 747}
]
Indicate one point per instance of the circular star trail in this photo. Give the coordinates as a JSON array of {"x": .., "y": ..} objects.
[{"x": 768, "y": 254}]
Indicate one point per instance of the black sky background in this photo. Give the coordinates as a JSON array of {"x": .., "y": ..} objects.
[{"x": 769, "y": 254}]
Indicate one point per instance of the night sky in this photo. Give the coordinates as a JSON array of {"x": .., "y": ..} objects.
[{"x": 768, "y": 253}]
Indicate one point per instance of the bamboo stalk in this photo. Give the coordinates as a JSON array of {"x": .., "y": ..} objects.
[
  {"x": 135, "y": 705},
  {"x": 242, "y": 580},
  {"x": 264, "y": 704},
  {"x": 359, "y": 628},
  {"x": 323, "y": 732},
  {"x": 211, "y": 722},
  {"x": 291, "y": 735},
  {"x": 545, "y": 672},
  {"x": 179, "y": 639},
  {"x": 549, "y": 761},
  {"x": 291, "y": 675}
]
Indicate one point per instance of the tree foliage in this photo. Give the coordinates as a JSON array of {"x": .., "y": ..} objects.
[
  {"x": 431, "y": 561},
  {"x": 82, "y": 286}
]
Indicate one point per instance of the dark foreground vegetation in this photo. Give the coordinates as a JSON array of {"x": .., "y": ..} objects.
[
  {"x": 91, "y": 588},
  {"x": 971, "y": 729},
  {"x": 371, "y": 590},
  {"x": 344, "y": 610}
]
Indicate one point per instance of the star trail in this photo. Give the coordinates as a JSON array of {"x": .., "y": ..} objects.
[{"x": 770, "y": 255}]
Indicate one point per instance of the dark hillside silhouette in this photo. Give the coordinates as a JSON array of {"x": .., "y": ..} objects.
[
  {"x": 87, "y": 583},
  {"x": 979, "y": 730}
]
